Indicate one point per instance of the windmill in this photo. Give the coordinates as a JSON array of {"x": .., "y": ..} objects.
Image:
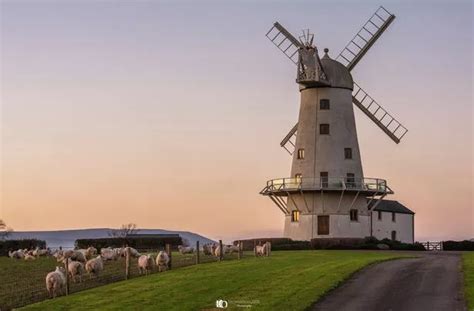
[{"x": 327, "y": 194}]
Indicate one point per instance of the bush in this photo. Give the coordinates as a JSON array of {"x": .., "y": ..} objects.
[
  {"x": 458, "y": 245},
  {"x": 249, "y": 244},
  {"x": 337, "y": 243},
  {"x": 11, "y": 245},
  {"x": 141, "y": 243},
  {"x": 293, "y": 246}
]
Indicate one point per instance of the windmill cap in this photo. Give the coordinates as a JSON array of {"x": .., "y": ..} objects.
[{"x": 338, "y": 75}]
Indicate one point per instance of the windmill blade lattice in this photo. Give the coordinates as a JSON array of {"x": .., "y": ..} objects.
[
  {"x": 284, "y": 41},
  {"x": 365, "y": 38},
  {"x": 394, "y": 129}
]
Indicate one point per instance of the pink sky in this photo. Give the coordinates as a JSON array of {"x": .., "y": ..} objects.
[{"x": 170, "y": 115}]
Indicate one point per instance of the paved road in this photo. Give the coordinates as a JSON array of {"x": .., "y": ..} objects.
[{"x": 432, "y": 282}]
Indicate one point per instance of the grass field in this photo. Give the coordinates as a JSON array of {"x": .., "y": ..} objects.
[
  {"x": 23, "y": 282},
  {"x": 468, "y": 269},
  {"x": 290, "y": 280}
]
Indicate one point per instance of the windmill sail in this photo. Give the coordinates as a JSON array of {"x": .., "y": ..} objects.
[
  {"x": 365, "y": 38},
  {"x": 284, "y": 41},
  {"x": 394, "y": 129},
  {"x": 288, "y": 143}
]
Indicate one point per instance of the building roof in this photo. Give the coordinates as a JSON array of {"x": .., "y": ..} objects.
[
  {"x": 337, "y": 74},
  {"x": 391, "y": 206}
]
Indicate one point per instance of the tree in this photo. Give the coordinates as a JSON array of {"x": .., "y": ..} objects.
[
  {"x": 124, "y": 231},
  {"x": 4, "y": 230}
]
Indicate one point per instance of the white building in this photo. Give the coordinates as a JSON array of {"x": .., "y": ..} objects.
[
  {"x": 327, "y": 195},
  {"x": 392, "y": 220}
]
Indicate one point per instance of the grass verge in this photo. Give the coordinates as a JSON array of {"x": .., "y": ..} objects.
[
  {"x": 290, "y": 280},
  {"x": 468, "y": 270}
]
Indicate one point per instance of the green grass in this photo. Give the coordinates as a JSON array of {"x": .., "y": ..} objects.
[
  {"x": 290, "y": 280},
  {"x": 468, "y": 269},
  {"x": 23, "y": 282}
]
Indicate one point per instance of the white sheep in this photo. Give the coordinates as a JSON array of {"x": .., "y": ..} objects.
[
  {"x": 55, "y": 282},
  {"x": 217, "y": 250},
  {"x": 207, "y": 249},
  {"x": 263, "y": 250},
  {"x": 162, "y": 261},
  {"x": 185, "y": 249},
  {"x": 94, "y": 266},
  {"x": 145, "y": 264},
  {"x": 75, "y": 270},
  {"x": 133, "y": 252},
  {"x": 109, "y": 254},
  {"x": 29, "y": 257},
  {"x": 232, "y": 249},
  {"x": 18, "y": 254},
  {"x": 75, "y": 255},
  {"x": 40, "y": 252}
]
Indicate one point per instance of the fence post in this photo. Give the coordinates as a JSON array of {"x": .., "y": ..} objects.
[
  {"x": 127, "y": 263},
  {"x": 66, "y": 265},
  {"x": 168, "y": 251},
  {"x": 269, "y": 248},
  {"x": 255, "y": 247},
  {"x": 197, "y": 252},
  {"x": 221, "y": 253},
  {"x": 239, "y": 253},
  {"x": 428, "y": 246}
]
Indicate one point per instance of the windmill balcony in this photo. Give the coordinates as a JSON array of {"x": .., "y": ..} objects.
[{"x": 285, "y": 186}]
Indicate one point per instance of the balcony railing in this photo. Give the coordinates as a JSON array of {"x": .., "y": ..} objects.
[{"x": 374, "y": 185}]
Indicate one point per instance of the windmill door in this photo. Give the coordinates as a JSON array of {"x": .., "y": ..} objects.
[{"x": 323, "y": 224}]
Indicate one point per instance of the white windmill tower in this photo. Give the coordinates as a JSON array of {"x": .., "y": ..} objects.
[{"x": 327, "y": 194}]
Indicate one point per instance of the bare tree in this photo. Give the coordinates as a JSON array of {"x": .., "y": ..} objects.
[
  {"x": 124, "y": 231},
  {"x": 4, "y": 230}
]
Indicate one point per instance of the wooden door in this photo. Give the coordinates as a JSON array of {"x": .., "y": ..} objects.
[{"x": 323, "y": 224}]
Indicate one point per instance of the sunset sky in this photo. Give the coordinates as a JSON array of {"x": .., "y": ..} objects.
[{"x": 169, "y": 114}]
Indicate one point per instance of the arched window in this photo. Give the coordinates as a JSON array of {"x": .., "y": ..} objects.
[{"x": 394, "y": 235}]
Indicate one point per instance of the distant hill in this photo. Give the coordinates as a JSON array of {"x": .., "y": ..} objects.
[{"x": 66, "y": 238}]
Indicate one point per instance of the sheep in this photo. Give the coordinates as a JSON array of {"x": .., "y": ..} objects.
[
  {"x": 55, "y": 282},
  {"x": 232, "y": 249},
  {"x": 29, "y": 257},
  {"x": 91, "y": 251},
  {"x": 133, "y": 252},
  {"x": 217, "y": 250},
  {"x": 75, "y": 269},
  {"x": 207, "y": 249},
  {"x": 109, "y": 254},
  {"x": 94, "y": 266},
  {"x": 76, "y": 255},
  {"x": 162, "y": 261},
  {"x": 40, "y": 252},
  {"x": 185, "y": 249},
  {"x": 263, "y": 250},
  {"x": 18, "y": 254},
  {"x": 145, "y": 264}
]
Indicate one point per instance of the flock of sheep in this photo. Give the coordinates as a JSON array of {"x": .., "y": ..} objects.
[{"x": 81, "y": 261}]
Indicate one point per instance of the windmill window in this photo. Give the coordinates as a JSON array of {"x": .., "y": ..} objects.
[
  {"x": 324, "y": 104},
  {"x": 295, "y": 216},
  {"x": 324, "y": 179},
  {"x": 394, "y": 217},
  {"x": 347, "y": 153},
  {"x": 324, "y": 129},
  {"x": 300, "y": 154},
  {"x": 379, "y": 215},
  {"x": 354, "y": 215}
]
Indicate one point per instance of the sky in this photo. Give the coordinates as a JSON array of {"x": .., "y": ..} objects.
[{"x": 169, "y": 114}]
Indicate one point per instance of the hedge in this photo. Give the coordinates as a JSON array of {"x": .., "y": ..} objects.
[
  {"x": 11, "y": 245},
  {"x": 329, "y": 243},
  {"x": 141, "y": 243},
  {"x": 458, "y": 245}
]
